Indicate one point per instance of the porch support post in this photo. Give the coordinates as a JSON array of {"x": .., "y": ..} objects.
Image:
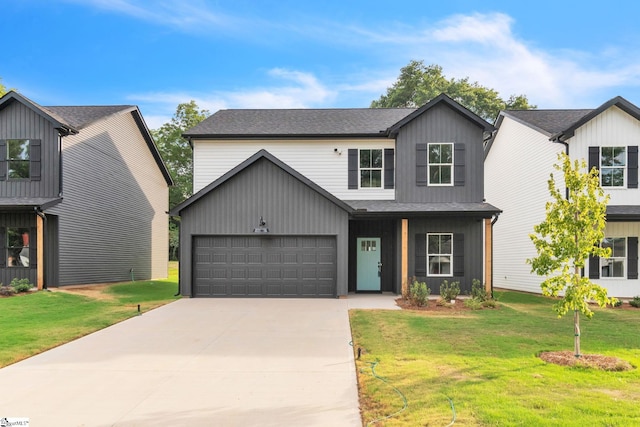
[
  {"x": 488, "y": 252},
  {"x": 40, "y": 252},
  {"x": 404, "y": 262}
]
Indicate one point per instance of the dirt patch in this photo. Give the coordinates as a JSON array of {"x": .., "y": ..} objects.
[
  {"x": 92, "y": 291},
  {"x": 433, "y": 305},
  {"x": 596, "y": 361}
]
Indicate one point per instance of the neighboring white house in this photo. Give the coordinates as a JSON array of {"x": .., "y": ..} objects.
[{"x": 518, "y": 162}]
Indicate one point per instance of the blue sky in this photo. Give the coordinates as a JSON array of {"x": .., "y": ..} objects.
[{"x": 316, "y": 54}]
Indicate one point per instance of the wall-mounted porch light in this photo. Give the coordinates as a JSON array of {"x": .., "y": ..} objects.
[{"x": 262, "y": 227}]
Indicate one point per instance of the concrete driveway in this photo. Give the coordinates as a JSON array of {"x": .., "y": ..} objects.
[{"x": 197, "y": 362}]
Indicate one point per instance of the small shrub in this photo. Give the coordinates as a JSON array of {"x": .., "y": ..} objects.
[
  {"x": 478, "y": 291},
  {"x": 449, "y": 292},
  {"x": 490, "y": 303},
  {"x": 419, "y": 293},
  {"x": 635, "y": 302},
  {"x": 21, "y": 285},
  {"x": 7, "y": 291},
  {"x": 473, "y": 303},
  {"x": 617, "y": 303},
  {"x": 443, "y": 303}
]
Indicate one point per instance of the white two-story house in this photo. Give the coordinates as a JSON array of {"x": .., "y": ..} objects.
[
  {"x": 519, "y": 160},
  {"x": 319, "y": 203}
]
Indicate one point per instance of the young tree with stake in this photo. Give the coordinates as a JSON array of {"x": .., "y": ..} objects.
[{"x": 571, "y": 232}]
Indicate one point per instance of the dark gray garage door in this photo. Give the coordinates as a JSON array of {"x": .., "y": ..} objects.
[{"x": 264, "y": 266}]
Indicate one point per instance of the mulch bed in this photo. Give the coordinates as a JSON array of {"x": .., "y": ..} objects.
[
  {"x": 434, "y": 306},
  {"x": 596, "y": 361}
]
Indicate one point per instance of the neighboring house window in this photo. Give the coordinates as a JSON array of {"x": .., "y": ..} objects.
[
  {"x": 370, "y": 168},
  {"x": 439, "y": 254},
  {"x": 17, "y": 247},
  {"x": 614, "y": 266},
  {"x": 440, "y": 164},
  {"x": 18, "y": 159},
  {"x": 613, "y": 161}
]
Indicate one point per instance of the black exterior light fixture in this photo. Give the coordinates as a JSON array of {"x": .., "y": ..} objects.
[{"x": 262, "y": 227}]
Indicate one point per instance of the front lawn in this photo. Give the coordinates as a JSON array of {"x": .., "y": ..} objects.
[
  {"x": 34, "y": 322},
  {"x": 482, "y": 367}
]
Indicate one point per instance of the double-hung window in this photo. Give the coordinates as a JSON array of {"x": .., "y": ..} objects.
[
  {"x": 439, "y": 254},
  {"x": 613, "y": 162},
  {"x": 371, "y": 168},
  {"x": 18, "y": 159},
  {"x": 614, "y": 266},
  {"x": 440, "y": 163}
]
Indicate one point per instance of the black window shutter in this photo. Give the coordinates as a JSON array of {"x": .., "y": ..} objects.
[
  {"x": 594, "y": 159},
  {"x": 3, "y": 160},
  {"x": 33, "y": 253},
  {"x": 352, "y": 164},
  {"x": 389, "y": 168},
  {"x": 421, "y": 165},
  {"x": 458, "y": 164},
  {"x": 3, "y": 247},
  {"x": 35, "y": 150},
  {"x": 421, "y": 255},
  {"x": 594, "y": 267},
  {"x": 632, "y": 257},
  {"x": 458, "y": 254},
  {"x": 632, "y": 166}
]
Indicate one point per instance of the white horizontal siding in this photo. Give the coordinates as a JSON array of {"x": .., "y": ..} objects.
[
  {"x": 611, "y": 128},
  {"x": 622, "y": 287},
  {"x": 316, "y": 159},
  {"x": 517, "y": 170}
]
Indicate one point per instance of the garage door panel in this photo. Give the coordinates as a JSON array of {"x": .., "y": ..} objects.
[{"x": 265, "y": 266}]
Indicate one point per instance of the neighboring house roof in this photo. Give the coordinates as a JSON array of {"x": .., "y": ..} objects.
[
  {"x": 298, "y": 122},
  {"x": 71, "y": 119},
  {"x": 623, "y": 213},
  {"x": 548, "y": 122},
  {"x": 59, "y": 122},
  {"x": 262, "y": 154},
  {"x": 381, "y": 207},
  {"x": 442, "y": 99}
]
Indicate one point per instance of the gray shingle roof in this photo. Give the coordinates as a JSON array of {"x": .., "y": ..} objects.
[
  {"x": 81, "y": 116},
  {"x": 299, "y": 122},
  {"x": 548, "y": 121},
  {"x": 391, "y": 206}
]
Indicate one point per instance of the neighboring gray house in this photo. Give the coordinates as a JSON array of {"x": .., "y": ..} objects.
[
  {"x": 319, "y": 203},
  {"x": 83, "y": 195}
]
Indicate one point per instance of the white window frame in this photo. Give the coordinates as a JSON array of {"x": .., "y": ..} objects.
[
  {"x": 23, "y": 158},
  {"x": 612, "y": 167},
  {"x": 429, "y": 164},
  {"x": 361, "y": 169},
  {"x": 605, "y": 261},
  {"x": 440, "y": 254}
]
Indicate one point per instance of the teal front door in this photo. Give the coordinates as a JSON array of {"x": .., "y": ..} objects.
[{"x": 369, "y": 265}]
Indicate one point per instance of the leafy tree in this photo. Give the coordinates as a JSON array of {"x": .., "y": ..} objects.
[
  {"x": 176, "y": 152},
  {"x": 418, "y": 84},
  {"x": 572, "y": 231},
  {"x": 3, "y": 88}
]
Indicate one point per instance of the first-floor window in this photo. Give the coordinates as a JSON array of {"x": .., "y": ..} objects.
[
  {"x": 17, "y": 247},
  {"x": 614, "y": 266},
  {"x": 439, "y": 254}
]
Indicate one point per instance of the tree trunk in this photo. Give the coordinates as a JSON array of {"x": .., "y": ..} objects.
[{"x": 576, "y": 327}]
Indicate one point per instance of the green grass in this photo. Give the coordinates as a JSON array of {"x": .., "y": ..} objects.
[
  {"x": 32, "y": 323},
  {"x": 486, "y": 363}
]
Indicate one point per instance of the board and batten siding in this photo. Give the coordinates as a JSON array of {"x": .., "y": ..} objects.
[
  {"x": 440, "y": 124},
  {"x": 612, "y": 128},
  {"x": 517, "y": 169},
  {"x": 316, "y": 159},
  {"x": 18, "y": 121},
  {"x": 112, "y": 222},
  {"x": 288, "y": 206}
]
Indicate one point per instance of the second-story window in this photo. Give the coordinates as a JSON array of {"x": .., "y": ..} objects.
[
  {"x": 613, "y": 161},
  {"x": 18, "y": 158},
  {"x": 440, "y": 163},
  {"x": 370, "y": 168}
]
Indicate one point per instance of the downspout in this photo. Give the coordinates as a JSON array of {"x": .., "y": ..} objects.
[
  {"x": 493, "y": 221},
  {"x": 179, "y": 257},
  {"x": 59, "y": 165},
  {"x": 557, "y": 140},
  {"x": 44, "y": 233}
]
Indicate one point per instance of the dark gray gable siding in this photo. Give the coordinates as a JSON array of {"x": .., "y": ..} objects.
[
  {"x": 440, "y": 124},
  {"x": 263, "y": 189},
  {"x": 17, "y": 121}
]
